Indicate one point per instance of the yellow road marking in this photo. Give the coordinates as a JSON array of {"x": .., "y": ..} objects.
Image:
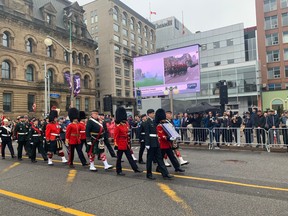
[
  {"x": 44, "y": 203},
  {"x": 71, "y": 176},
  {"x": 172, "y": 194},
  {"x": 206, "y": 180},
  {"x": 10, "y": 167}
]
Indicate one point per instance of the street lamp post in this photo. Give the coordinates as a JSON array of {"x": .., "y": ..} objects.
[
  {"x": 49, "y": 41},
  {"x": 171, "y": 91}
]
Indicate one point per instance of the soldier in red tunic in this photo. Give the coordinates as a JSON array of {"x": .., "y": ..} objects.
[
  {"x": 82, "y": 125},
  {"x": 53, "y": 140},
  {"x": 121, "y": 139},
  {"x": 73, "y": 138},
  {"x": 165, "y": 140}
]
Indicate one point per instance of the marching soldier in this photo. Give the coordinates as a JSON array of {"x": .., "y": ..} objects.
[
  {"x": 21, "y": 131},
  {"x": 152, "y": 144},
  {"x": 35, "y": 137},
  {"x": 141, "y": 135},
  {"x": 121, "y": 139},
  {"x": 82, "y": 125},
  {"x": 95, "y": 141},
  {"x": 6, "y": 138},
  {"x": 73, "y": 138},
  {"x": 54, "y": 143}
]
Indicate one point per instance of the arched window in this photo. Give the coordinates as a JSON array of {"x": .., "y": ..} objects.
[
  {"x": 145, "y": 32},
  {"x": 50, "y": 51},
  {"x": 66, "y": 56},
  {"x": 50, "y": 75},
  {"x": 124, "y": 19},
  {"x": 80, "y": 58},
  {"x": 30, "y": 73},
  {"x": 115, "y": 13},
  {"x": 6, "y": 70},
  {"x": 132, "y": 24},
  {"x": 6, "y": 39},
  {"x": 139, "y": 26},
  {"x": 29, "y": 45},
  {"x": 86, "y": 60},
  {"x": 86, "y": 82},
  {"x": 74, "y": 57},
  {"x": 67, "y": 78}
]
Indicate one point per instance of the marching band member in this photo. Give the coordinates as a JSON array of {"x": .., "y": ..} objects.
[
  {"x": 121, "y": 139},
  {"x": 95, "y": 141},
  {"x": 21, "y": 131},
  {"x": 35, "y": 137},
  {"x": 73, "y": 138},
  {"x": 152, "y": 144},
  {"x": 54, "y": 143},
  {"x": 165, "y": 140},
  {"x": 6, "y": 134}
]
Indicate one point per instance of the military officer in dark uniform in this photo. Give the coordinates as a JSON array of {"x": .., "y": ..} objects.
[
  {"x": 5, "y": 135},
  {"x": 141, "y": 135},
  {"x": 21, "y": 131},
  {"x": 152, "y": 144}
]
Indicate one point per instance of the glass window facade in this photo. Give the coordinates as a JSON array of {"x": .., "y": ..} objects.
[
  {"x": 272, "y": 56},
  {"x": 270, "y": 5},
  {"x": 272, "y": 39},
  {"x": 271, "y": 22},
  {"x": 274, "y": 73},
  {"x": 285, "y": 19}
]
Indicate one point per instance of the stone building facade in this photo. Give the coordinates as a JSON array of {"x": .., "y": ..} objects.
[{"x": 24, "y": 25}]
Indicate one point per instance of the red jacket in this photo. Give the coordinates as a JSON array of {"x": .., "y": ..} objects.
[
  {"x": 163, "y": 138},
  {"x": 82, "y": 126},
  {"x": 52, "y": 131},
  {"x": 121, "y": 136},
  {"x": 73, "y": 134}
]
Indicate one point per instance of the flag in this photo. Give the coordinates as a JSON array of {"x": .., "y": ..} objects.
[
  {"x": 67, "y": 78},
  {"x": 153, "y": 12},
  {"x": 76, "y": 82}
]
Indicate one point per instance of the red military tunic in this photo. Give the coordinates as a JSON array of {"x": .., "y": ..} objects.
[
  {"x": 73, "y": 134},
  {"x": 163, "y": 138},
  {"x": 52, "y": 131},
  {"x": 121, "y": 137},
  {"x": 82, "y": 127}
]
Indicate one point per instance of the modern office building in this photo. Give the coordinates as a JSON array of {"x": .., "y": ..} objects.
[
  {"x": 121, "y": 34},
  {"x": 227, "y": 53},
  {"x": 24, "y": 25},
  {"x": 272, "y": 34}
]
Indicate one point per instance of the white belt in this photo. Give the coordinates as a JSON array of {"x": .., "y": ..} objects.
[
  {"x": 36, "y": 135},
  {"x": 82, "y": 131},
  {"x": 5, "y": 135},
  {"x": 22, "y": 133},
  {"x": 143, "y": 133},
  {"x": 53, "y": 134},
  {"x": 153, "y": 135}
]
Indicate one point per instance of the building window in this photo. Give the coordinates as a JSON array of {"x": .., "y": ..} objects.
[
  {"x": 285, "y": 37},
  {"x": 117, "y": 60},
  {"x": 7, "y": 102},
  {"x": 117, "y": 49},
  {"x": 124, "y": 19},
  {"x": 116, "y": 38},
  {"x": 66, "y": 56},
  {"x": 115, "y": 13},
  {"x": 125, "y": 51},
  {"x": 132, "y": 24},
  {"x": 86, "y": 60},
  {"x": 86, "y": 81},
  {"x": 50, "y": 75},
  {"x": 217, "y": 63},
  {"x": 151, "y": 35},
  {"x": 271, "y": 22},
  {"x": 286, "y": 71},
  {"x": 229, "y": 42},
  {"x": 133, "y": 36},
  {"x": 49, "y": 19},
  {"x": 285, "y": 19},
  {"x": 274, "y": 73},
  {"x": 118, "y": 92},
  {"x": 97, "y": 62},
  {"x": 270, "y": 5},
  {"x": 127, "y": 93},
  {"x": 125, "y": 32},
  {"x": 31, "y": 101},
  {"x": 203, "y": 47},
  {"x": 78, "y": 103},
  {"x": 6, "y": 70},
  {"x": 80, "y": 58},
  {"x": 126, "y": 64},
  {"x": 118, "y": 71},
  {"x": 145, "y": 32},
  {"x": 133, "y": 46},
  {"x": 272, "y": 39},
  {"x": 6, "y": 39},
  {"x": 140, "y": 50},
  {"x": 139, "y": 26},
  {"x": 272, "y": 56},
  {"x": 87, "y": 102},
  {"x": 29, "y": 73},
  {"x": 139, "y": 40},
  {"x": 29, "y": 45},
  {"x": 127, "y": 83},
  {"x": 276, "y": 86},
  {"x": 50, "y": 51},
  {"x": 118, "y": 82},
  {"x": 216, "y": 44},
  {"x": 68, "y": 101},
  {"x": 204, "y": 65},
  {"x": 125, "y": 42},
  {"x": 74, "y": 57},
  {"x": 230, "y": 61},
  {"x": 126, "y": 73},
  {"x": 285, "y": 54},
  {"x": 146, "y": 43},
  {"x": 116, "y": 27},
  {"x": 92, "y": 30},
  {"x": 284, "y": 3}
]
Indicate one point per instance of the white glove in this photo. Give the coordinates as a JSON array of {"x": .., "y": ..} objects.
[
  {"x": 31, "y": 143},
  {"x": 89, "y": 143},
  {"x": 147, "y": 147},
  {"x": 172, "y": 138}
]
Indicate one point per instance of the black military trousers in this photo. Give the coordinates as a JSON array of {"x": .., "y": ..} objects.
[
  {"x": 141, "y": 151},
  {"x": 171, "y": 156},
  {"x": 78, "y": 148},
  {"x": 39, "y": 146},
  {"x": 22, "y": 144},
  {"x": 109, "y": 147},
  {"x": 10, "y": 147},
  {"x": 128, "y": 156},
  {"x": 155, "y": 153}
]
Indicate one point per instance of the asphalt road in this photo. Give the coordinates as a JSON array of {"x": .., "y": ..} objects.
[{"x": 215, "y": 183}]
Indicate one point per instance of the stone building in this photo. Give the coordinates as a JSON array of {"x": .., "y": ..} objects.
[{"x": 24, "y": 25}]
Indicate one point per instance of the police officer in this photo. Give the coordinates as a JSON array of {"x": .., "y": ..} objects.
[{"x": 21, "y": 131}]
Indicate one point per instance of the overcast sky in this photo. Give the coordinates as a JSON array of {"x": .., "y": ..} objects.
[{"x": 199, "y": 15}]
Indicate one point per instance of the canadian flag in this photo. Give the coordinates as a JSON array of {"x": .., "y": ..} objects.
[{"x": 153, "y": 12}]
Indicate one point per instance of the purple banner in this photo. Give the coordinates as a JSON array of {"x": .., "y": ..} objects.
[{"x": 76, "y": 81}]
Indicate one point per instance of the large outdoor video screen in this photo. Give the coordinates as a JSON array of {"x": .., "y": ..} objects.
[{"x": 178, "y": 67}]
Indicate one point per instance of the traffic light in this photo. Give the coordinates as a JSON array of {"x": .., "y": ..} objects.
[
  {"x": 223, "y": 90},
  {"x": 108, "y": 105}
]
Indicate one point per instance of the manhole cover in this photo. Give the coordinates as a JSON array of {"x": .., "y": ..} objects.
[{"x": 233, "y": 161}]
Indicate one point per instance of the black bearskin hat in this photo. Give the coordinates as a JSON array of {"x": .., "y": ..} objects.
[
  {"x": 121, "y": 115},
  {"x": 82, "y": 115},
  {"x": 73, "y": 114},
  {"x": 52, "y": 115},
  {"x": 160, "y": 115}
]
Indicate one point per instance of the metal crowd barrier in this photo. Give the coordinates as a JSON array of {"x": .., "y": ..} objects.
[{"x": 277, "y": 138}]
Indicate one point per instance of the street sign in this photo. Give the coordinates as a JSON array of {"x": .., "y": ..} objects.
[{"x": 139, "y": 99}]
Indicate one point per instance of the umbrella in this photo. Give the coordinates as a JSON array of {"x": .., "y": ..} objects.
[{"x": 202, "y": 107}]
